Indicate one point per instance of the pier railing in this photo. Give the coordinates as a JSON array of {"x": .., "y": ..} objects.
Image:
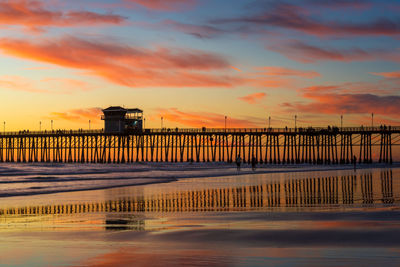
[{"x": 393, "y": 129}]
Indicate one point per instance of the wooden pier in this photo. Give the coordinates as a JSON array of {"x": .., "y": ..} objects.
[{"x": 266, "y": 145}]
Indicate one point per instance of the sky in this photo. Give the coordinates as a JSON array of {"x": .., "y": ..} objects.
[{"x": 193, "y": 62}]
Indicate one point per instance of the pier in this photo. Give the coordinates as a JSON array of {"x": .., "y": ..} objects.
[{"x": 265, "y": 145}]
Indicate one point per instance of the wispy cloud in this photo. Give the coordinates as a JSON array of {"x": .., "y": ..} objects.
[
  {"x": 253, "y": 98},
  {"x": 306, "y": 53},
  {"x": 394, "y": 74},
  {"x": 199, "y": 31},
  {"x": 347, "y": 99},
  {"x": 298, "y": 17},
  {"x": 126, "y": 65},
  {"x": 207, "y": 119},
  {"x": 350, "y": 104},
  {"x": 46, "y": 85},
  {"x": 34, "y": 15},
  {"x": 78, "y": 115},
  {"x": 282, "y": 71},
  {"x": 340, "y": 4},
  {"x": 165, "y": 5},
  {"x": 19, "y": 83}
]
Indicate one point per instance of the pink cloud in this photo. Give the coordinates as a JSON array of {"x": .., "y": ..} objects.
[
  {"x": 207, "y": 119},
  {"x": 165, "y": 5},
  {"x": 34, "y": 15},
  {"x": 126, "y": 65},
  {"x": 336, "y": 103},
  {"x": 394, "y": 74},
  {"x": 19, "y": 83},
  {"x": 78, "y": 115},
  {"x": 282, "y": 71},
  {"x": 298, "y": 17},
  {"x": 253, "y": 98},
  {"x": 306, "y": 53},
  {"x": 47, "y": 85},
  {"x": 200, "y": 31}
]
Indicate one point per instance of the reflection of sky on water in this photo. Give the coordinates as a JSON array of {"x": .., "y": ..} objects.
[{"x": 330, "y": 218}]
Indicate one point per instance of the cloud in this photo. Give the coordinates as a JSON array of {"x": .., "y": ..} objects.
[
  {"x": 281, "y": 15},
  {"x": 337, "y": 103},
  {"x": 66, "y": 85},
  {"x": 273, "y": 82},
  {"x": 306, "y": 53},
  {"x": 199, "y": 31},
  {"x": 252, "y": 98},
  {"x": 165, "y": 5},
  {"x": 18, "y": 83},
  {"x": 236, "y": 68},
  {"x": 339, "y": 4},
  {"x": 394, "y": 74},
  {"x": 126, "y": 65},
  {"x": 34, "y": 15},
  {"x": 381, "y": 87},
  {"x": 282, "y": 71},
  {"x": 208, "y": 119},
  {"x": 47, "y": 85},
  {"x": 78, "y": 115}
]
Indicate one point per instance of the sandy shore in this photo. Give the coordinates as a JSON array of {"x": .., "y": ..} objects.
[
  {"x": 275, "y": 216},
  {"x": 33, "y": 179}
]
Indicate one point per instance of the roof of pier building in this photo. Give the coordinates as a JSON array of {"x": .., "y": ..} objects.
[
  {"x": 117, "y": 112},
  {"x": 121, "y": 109}
]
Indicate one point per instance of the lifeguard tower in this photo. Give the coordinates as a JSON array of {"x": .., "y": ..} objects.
[{"x": 122, "y": 120}]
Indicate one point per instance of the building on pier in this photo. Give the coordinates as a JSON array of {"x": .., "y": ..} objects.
[{"x": 121, "y": 120}]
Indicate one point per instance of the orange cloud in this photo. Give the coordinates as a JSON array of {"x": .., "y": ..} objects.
[
  {"x": 78, "y": 115},
  {"x": 18, "y": 83},
  {"x": 207, "y": 119},
  {"x": 165, "y": 5},
  {"x": 33, "y": 15},
  {"x": 253, "y": 98},
  {"x": 55, "y": 85},
  {"x": 394, "y": 74},
  {"x": 235, "y": 68},
  {"x": 66, "y": 85},
  {"x": 271, "y": 82},
  {"x": 282, "y": 71},
  {"x": 126, "y": 65}
]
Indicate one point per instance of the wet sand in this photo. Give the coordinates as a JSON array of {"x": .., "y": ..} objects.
[{"x": 317, "y": 218}]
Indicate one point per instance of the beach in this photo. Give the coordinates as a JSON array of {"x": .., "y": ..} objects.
[{"x": 170, "y": 214}]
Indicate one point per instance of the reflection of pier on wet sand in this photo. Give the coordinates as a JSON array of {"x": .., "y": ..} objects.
[{"x": 288, "y": 192}]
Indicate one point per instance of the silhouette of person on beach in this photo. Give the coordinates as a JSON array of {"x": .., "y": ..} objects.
[
  {"x": 355, "y": 162},
  {"x": 253, "y": 163},
  {"x": 238, "y": 162}
]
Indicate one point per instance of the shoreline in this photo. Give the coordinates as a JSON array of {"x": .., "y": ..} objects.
[{"x": 160, "y": 173}]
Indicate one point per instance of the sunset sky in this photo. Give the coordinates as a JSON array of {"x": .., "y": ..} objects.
[{"x": 193, "y": 62}]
